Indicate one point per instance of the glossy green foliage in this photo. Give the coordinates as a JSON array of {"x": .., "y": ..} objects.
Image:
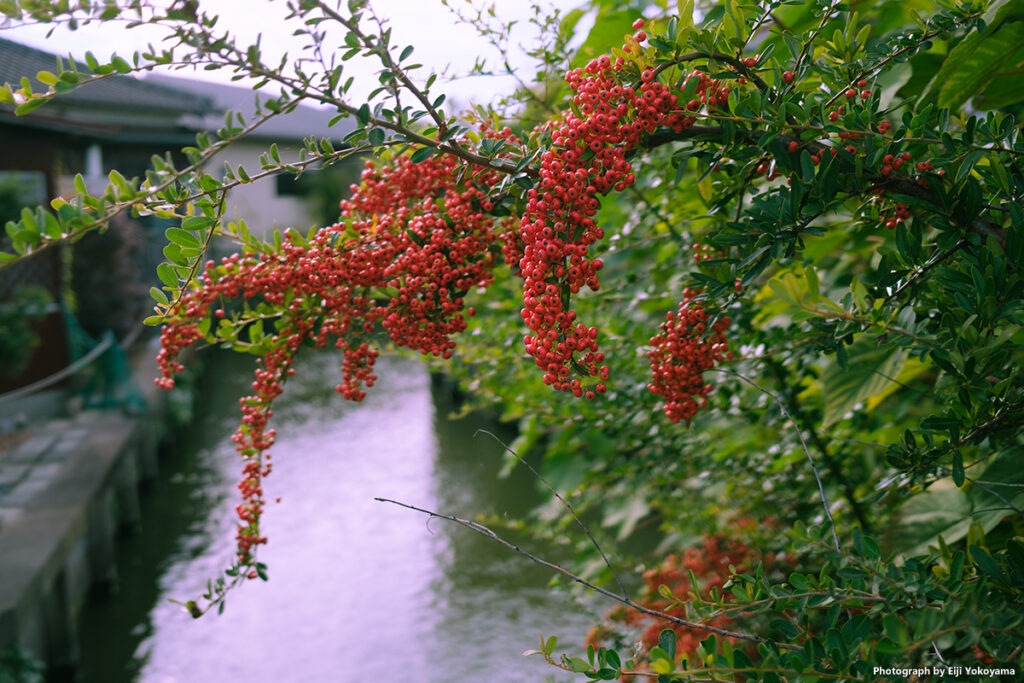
[{"x": 855, "y": 201}]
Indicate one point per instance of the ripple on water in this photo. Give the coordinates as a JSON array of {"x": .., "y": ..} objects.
[{"x": 359, "y": 590}]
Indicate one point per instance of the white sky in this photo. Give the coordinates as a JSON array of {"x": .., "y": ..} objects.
[{"x": 425, "y": 24}]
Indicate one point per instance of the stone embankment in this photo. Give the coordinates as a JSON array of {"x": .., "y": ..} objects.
[{"x": 66, "y": 494}]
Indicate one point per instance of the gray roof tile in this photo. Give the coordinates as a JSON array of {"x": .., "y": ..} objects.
[{"x": 114, "y": 92}]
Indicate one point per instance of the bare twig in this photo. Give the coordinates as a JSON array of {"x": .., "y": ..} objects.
[
  {"x": 484, "y": 531},
  {"x": 997, "y": 495},
  {"x": 917, "y": 274},
  {"x": 799, "y": 433},
  {"x": 565, "y": 504},
  {"x": 384, "y": 54},
  {"x": 826, "y": 15},
  {"x": 741, "y": 68}
]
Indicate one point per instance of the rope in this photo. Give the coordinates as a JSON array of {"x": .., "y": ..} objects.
[{"x": 56, "y": 377}]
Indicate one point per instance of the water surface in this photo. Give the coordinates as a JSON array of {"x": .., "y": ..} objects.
[{"x": 359, "y": 590}]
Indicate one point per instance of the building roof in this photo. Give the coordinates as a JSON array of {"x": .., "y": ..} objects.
[
  {"x": 156, "y": 107},
  {"x": 114, "y": 92},
  {"x": 304, "y": 121}
]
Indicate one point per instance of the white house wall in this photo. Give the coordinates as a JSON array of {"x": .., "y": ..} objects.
[{"x": 258, "y": 203}]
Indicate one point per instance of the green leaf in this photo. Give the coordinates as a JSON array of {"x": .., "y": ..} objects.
[
  {"x": 973, "y": 62},
  {"x": 870, "y": 369},
  {"x": 667, "y": 642},
  {"x": 949, "y": 512},
  {"x": 198, "y": 222},
  {"x": 51, "y": 226},
  {"x": 607, "y": 32},
  {"x": 986, "y": 563},
  {"x": 999, "y": 10},
  {"x": 684, "y": 10},
  {"x": 705, "y": 189},
  {"x": 806, "y": 165},
  {"x": 30, "y": 106},
  {"x": 911, "y": 369},
  {"x": 577, "y": 665},
  {"x": 626, "y": 512},
  {"x": 661, "y": 666},
  {"x": 167, "y": 275},
  {"x": 422, "y": 154},
  {"x": 958, "y": 469},
  {"x": 120, "y": 65},
  {"x": 569, "y": 21},
  {"x": 182, "y": 237}
]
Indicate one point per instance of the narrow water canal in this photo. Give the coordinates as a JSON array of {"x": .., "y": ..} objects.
[{"x": 358, "y": 590}]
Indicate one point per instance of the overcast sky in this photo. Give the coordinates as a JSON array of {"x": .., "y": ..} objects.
[{"x": 425, "y": 24}]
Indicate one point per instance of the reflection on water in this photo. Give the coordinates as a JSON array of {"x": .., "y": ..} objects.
[{"x": 359, "y": 590}]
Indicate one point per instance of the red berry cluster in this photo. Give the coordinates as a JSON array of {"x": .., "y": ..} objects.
[
  {"x": 587, "y": 157},
  {"x": 703, "y": 252},
  {"x": 709, "y": 562},
  {"x": 684, "y": 350},
  {"x": 900, "y": 213},
  {"x": 412, "y": 243},
  {"x": 892, "y": 163}
]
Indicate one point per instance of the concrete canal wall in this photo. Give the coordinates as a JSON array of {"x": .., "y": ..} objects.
[{"x": 66, "y": 494}]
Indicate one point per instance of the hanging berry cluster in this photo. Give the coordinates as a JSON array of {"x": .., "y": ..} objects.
[
  {"x": 413, "y": 241},
  {"x": 587, "y": 158},
  {"x": 680, "y": 355},
  {"x": 416, "y": 237},
  {"x": 709, "y": 563}
]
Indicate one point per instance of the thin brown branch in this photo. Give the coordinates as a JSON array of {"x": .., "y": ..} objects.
[
  {"x": 568, "y": 506},
  {"x": 807, "y": 451},
  {"x": 118, "y": 207},
  {"x": 919, "y": 273},
  {"x": 736, "y": 64},
  {"x": 484, "y": 531},
  {"x": 384, "y": 54}
]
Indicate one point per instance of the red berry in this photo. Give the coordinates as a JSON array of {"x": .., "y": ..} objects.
[
  {"x": 794, "y": 146},
  {"x": 638, "y": 24},
  {"x": 787, "y": 76},
  {"x": 682, "y": 353},
  {"x": 851, "y": 93}
]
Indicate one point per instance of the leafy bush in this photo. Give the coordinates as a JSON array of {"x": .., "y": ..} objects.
[
  {"x": 807, "y": 306},
  {"x": 17, "y": 319}
]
